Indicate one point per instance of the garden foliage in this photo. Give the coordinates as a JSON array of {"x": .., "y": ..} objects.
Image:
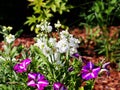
[
  {"x": 44, "y": 10},
  {"x": 55, "y": 63},
  {"x": 50, "y": 64}
]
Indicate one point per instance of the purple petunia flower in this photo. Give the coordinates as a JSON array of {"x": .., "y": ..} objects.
[
  {"x": 59, "y": 86},
  {"x": 105, "y": 65},
  {"x": 104, "y": 68},
  {"x": 89, "y": 71},
  {"x": 37, "y": 80},
  {"x": 70, "y": 69},
  {"x": 22, "y": 66},
  {"x": 76, "y": 55}
]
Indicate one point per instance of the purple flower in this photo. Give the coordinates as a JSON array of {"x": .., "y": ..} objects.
[
  {"x": 76, "y": 55},
  {"x": 70, "y": 69},
  {"x": 37, "y": 80},
  {"x": 105, "y": 65},
  {"x": 104, "y": 68},
  {"x": 89, "y": 71},
  {"x": 59, "y": 86},
  {"x": 22, "y": 66}
]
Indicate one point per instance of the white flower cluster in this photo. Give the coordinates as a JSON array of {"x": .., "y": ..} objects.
[
  {"x": 9, "y": 28},
  {"x": 44, "y": 26},
  {"x": 52, "y": 48},
  {"x": 10, "y": 38},
  {"x": 47, "y": 46},
  {"x": 58, "y": 24},
  {"x": 67, "y": 43}
]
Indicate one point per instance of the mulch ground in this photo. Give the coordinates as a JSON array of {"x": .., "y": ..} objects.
[{"x": 104, "y": 82}]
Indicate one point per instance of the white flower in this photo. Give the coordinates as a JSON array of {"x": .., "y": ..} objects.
[
  {"x": 62, "y": 46},
  {"x": 9, "y": 28},
  {"x": 46, "y": 45},
  {"x": 72, "y": 51},
  {"x": 73, "y": 42},
  {"x": 47, "y": 50},
  {"x": 38, "y": 26},
  {"x": 10, "y": 38},
  {"x": 64, "y": 34},
  {"x": 49, "y": 29},
  {"x": 44, "y": 26},
  {"x": 52, "y": 41},
  {"x": 39, "y": 43},
  {"x": 57, "y": 25}
]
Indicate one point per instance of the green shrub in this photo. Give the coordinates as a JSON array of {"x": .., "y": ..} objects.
[
  {"x": 45, "y": 9},
  {"x": 102, "y": 12}
]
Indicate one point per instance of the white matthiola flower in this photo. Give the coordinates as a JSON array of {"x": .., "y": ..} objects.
[
  {"x": 64, "y": 34},
  {"x": 52, "y": 41},
  {"x": 72, "y": 51},
  {"x": 38, "y": 26},
  {"x": 62, "y": 46},
  {"x": 4, "y": 28},
  {"x": 44, "y": 26},
  {"x": 47, "y": 50},
  {"x": 44, "y": 45},
  {"x": 10, "y": 38},
  {"x": 49, "y": 29},
  {"x": 9, "y": 28},
  {"x": 57, "y": 25},
  {"x": 40, "y": 43},
  {"x": 73, "y": 42}
]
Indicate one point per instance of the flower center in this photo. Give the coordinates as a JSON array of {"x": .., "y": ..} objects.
[{"x": 90, "y": 71}]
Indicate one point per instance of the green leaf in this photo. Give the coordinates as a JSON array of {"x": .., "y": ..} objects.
[
  {"x": 53, "y": 7},
  {"x": 18, "y": 33},
  {"x": 32, "y": 27},
  {"x": 90, "y": 17},
  {"x": 113, "y": 1},
  {"x": 102, "y": 5},
  {"x": 31, "y": 20},
  {"x": 13, "y": 52},
  {"x": 109, "y": 10},
  {"x": 96, "y": 7}
]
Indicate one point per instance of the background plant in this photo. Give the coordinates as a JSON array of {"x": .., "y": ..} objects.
[
  {"x": 44, "y": 10},
  {"x": 58, "y": 60},
  {"x": 106, "y": 42},
  {"x": 102, "y": 12},
  {"x": 8, "y": 78}
]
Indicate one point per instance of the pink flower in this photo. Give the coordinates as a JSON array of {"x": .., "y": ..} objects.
[
  {"x": 90, "y": 71},
  {"x": 37, "y": 80},
  {"x": 59, "y": 86},
  {"x": 22, "y": 66}
]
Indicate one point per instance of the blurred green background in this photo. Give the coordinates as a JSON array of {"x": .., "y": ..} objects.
[{"x": 14, "y": 12}]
